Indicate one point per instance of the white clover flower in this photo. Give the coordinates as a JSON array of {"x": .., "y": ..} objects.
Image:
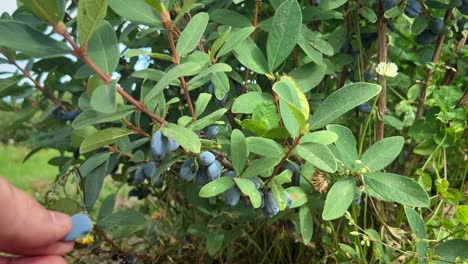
[{"x": 388, "y": 69}]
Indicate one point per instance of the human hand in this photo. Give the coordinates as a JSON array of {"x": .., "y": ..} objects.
[{"x": 29, "y": 230}]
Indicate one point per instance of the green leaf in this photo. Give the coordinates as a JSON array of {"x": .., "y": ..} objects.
[
  {"x": 462, "y": 214},
  {"x": 22, "y": 37},
  {"x": 331, "y": 4},
  {"x": 309, "y": 76},
  {"x": 311, "y": 53},
  {"x": 321, "y": 137},
  {"x": 221, "y": 84},
  {"x": 8, "y": 82},
  {"x": 123, "y": 218},
  {"x": 184, "y": 136},
  {"x": 322, "y": 46},
  {"x": 248, "y": 53},
  {"x": 216, "y": 187},
  {"x": 218, "y": 67},
  {"x": 103, "y": 138},
  {"x": 248, "y": 187},
  {"x": 247, "y": 102},
  {"x": 103, "y": 48},
  {"x": 239, "y": 152},
  {"x": 156, "y": 5},
  {"x": 264, "y": 146},
  {"x": 90, "y": 14},
  {"x": 288, "y": 91},
  {"x": 103, "y": 98},
  {"x": 346, "y": 144},
  {"x": 266, "y": 113},
  {"x": 91, "y": 117},
  {"x": 235, "y": 37},
  {"x": 283, "y": 177},
  {"x": 51, "y": 11},
  {"x": 306, "y": 223},
  {"x": 214, "y": 241},
  {"x": 261, "y": 167},
  {"x": 136, "y": 11},
  {"x": 279, "y": 194},
  {"x": 208, "y": 120},
  {"x": 419, "y": 229},
  {"x": 65, "y": 205},
  {"x": 93, "y": 185},
  {"x": 192, "y": 34},
  {"x": 185, "y": 8},
  {"x": 368, "y": 14},
  {"x": 285, "y": 32},
  {"x": 230, "y": 18},
  {"x": 400, "y": 189},
  {"x": 79, "y": 135},
  {"x": 420, "y": 23},
  {"x": 107, "y": 207},
  {"x": 201, "y": 103},
  {"x": 298, "y": 196},
  {"x": 93, "y": 162},
  {"x": 184, "y": 69},
  {"x": 450, "y": 250},
  {"x": 339, "y": 198},
  {"x": 382, "y": 153},
  {"x": 341, "y": 101},
  {"x": 318, "y": 155}
]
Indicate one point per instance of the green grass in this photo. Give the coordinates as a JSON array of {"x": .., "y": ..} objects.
[{"x": 31, "y": 176}]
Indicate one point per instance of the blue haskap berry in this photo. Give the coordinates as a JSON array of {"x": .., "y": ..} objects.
[
  {"x": 463, "y": 8},
  {"x": 139, "y": 176},
  {"x": 159, "y": 147},
  {"x": 271, "y": 208},
  {"x": 76, "y": 153},
  {"x": 214, "y": 170},
  {"x": 201, "y": 178},
  {"x": 211, "y": 91},
  {"x": 70, "y": 116},
  {"x": 262, "y": 200},
  {"x": 172, "y": 145},
  {"x": 159, "y": 182},
  {"x": 188, "y": 171},
  {"x": 211, "y": 131},
  {"x": 358, "y": 201},
  {"x": 295, "y": 173},
  {"x": 81, "y": 226},
  {"x": 256, "y": 182},
  {"x": 437, "y": 26},
  {"x": 426, "y": 37},
  {"x": 289, "y": 199},
  {"x": 365, "y": 108},
  {"x": 232, "y": 196},
  {"x": 413, "y": 8},
  {"x": 136, "y": 192},
  {"x": 149, "y": 169},
  {"x": 389, "y": 4},
  {"x": 57, "y": 113},
  {"x": 206, "y": 158},
  {"x": 461, "y": 22}
]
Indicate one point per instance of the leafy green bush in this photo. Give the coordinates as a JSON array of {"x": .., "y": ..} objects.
[{"x": 273, "y": 131}]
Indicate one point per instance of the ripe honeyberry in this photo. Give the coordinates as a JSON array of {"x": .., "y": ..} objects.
[
  {"x": 159, "y": 182},
  {"x": 211, "y": 131},
  {"x": 271, "y": 208},
  {"x": 159, "y": 148},
  {"x": 413, "y": 8},
  {"x": 426, "y": 37},
  {"x": 206, "y": 158},
  {"x": 463, "y": 8},
  {"x": 136, "y": 192},
  {"x": 149, "y": 169},
  {"x": 365, "y": 108},
  {"x": 295, "y": 173},
  {"x": 188, "y": 171},
  {"x": 70, "y": 116},
  {"x": 214, "y": 170},
  {"x": 256, "y": 182},
  {"x": 139, "y": 176},
  {"x": 81, "y": 226},
  {"x": 437, "y": 26},
  {"x": 389, "y": 4},
  {"x": 232, "y": 196},
  {"x": 201, "y": 178}
]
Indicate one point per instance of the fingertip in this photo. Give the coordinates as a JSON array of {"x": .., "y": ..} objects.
[
  {"x": 62, "y": 222},
  {"x": 33, "y": 260}
]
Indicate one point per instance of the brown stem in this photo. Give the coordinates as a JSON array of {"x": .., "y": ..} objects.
[
  {"x": 36, "y": 83},
  {"x": 430, "y": 72},
  {"x": 382, "y": 101},
  {"x": 138, "y": 130},
  {"x": 118, "y": 151},
  {"x": 79, "y": 52}
]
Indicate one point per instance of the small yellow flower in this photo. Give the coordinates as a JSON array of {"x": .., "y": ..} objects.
[
  {"x": 85, "y": 240},
  {"x": 388, "y": 69}
]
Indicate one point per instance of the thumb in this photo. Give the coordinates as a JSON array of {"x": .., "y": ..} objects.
[{"x": 25, "y": 224}]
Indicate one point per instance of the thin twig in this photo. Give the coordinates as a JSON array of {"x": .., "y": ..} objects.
[
  {"x": 138, "y": 130},
  {"x": 429, "y": 71},
  {"x": 382, "y": 40},
  {"x": 79, "y": 52}
]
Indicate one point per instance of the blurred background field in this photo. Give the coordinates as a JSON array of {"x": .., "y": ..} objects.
[{"x": 34, "y": 175}]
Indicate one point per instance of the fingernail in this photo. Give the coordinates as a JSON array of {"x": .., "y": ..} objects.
[{"x": 60, "y": 219}]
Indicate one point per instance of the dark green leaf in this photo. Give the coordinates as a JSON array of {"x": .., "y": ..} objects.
[
  {"x": 103, "y": 99},
  {"x": 309, "y": 76},
  {"x": 264, "y": 146},
  {"x": 318, "y": 155},
  {"x": 51, "y": 11},
  {"x": 93, "y": 184},
  {"x": 103, "y": 138},
  {"x": 339, "y": 198},
  {"x": 346, "y": 144},
  {"x": 247, "y": 102},
  {"x": 230, "y": 18},
  {"x": 248, "y": 53},
  {"x": 382, "y": 153},
  {"x": 90, "y": 117},
  {"x": 306, "y": 223},
  {"x": 182, "y": 135},
  {"x": 192, "y": 34},
  {"x": 103, "y": 48},
  {"x": 216, "y": 187},
  {"x": 450, "y": 250},
  {"x": 90, "y": 14},
  {"x": 419, "y": 229},
  {"x": 136, "y": 11},
  {"x": 248, "y": 188},
  {"x": 239, "y": 151},
  {"x": 235, "y": 37}
]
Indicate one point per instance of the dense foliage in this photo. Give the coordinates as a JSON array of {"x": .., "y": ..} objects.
[{"x": 279, "y": 131}]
